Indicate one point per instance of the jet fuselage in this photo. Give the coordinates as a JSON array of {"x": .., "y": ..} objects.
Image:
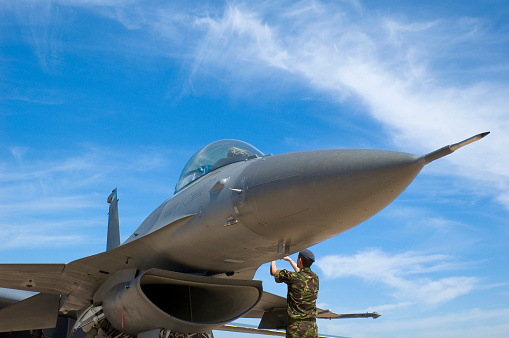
[{"x": 259, "y": 209}]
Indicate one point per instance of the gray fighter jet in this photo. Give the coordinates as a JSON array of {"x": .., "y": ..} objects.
[{"x": 188, "y": 269}]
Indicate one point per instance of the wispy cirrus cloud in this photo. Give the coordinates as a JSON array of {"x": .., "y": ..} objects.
[
  {"x": 43, "y": 234},
  {"x": 59, "y": 198},
  {"x": 407, "y": 274},
  {"x": 385, "y": 64},
  {"x": 423, "y": 80}
]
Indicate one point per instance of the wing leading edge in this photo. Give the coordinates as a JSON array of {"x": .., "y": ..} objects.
[{"x": 32, "y": 277}]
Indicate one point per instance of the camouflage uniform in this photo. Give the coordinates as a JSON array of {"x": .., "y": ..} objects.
[{"x": 302, "y": 293}]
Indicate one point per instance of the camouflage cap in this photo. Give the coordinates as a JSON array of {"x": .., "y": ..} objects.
[{"x": 307, "y": 254}]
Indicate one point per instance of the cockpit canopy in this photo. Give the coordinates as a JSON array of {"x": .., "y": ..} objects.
[{"x": 213, "y": 156}]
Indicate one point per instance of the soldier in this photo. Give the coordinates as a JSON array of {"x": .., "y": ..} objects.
[{"x": 302, "y": 293}]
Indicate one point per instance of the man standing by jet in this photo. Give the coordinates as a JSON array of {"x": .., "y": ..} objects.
[{"x": 302, "y": 294}]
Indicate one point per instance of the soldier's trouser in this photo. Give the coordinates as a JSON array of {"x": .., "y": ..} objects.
[{"x": 302, "y": 329}]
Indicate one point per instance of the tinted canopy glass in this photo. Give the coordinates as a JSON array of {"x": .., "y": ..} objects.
[{"x": 214, "y": 156}]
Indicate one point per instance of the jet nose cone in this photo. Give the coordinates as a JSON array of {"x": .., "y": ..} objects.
[{"x": 307, "y": 197}]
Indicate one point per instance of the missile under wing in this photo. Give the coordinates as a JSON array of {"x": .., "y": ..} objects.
[{"x": 188, "y": 268}]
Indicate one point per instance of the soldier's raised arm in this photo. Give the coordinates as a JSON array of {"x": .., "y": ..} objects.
[
  {"x": 294, "y": 265},
  {"x": 273, "y": 268}
]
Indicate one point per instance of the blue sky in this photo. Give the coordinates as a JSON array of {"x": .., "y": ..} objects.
[{"x": 98, "y": 94}]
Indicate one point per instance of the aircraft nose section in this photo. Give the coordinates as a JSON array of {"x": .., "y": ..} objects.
[{"x": 306, "y": 197}]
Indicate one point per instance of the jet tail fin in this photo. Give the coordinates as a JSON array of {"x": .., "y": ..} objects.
[{"x": 113, "y": 226}]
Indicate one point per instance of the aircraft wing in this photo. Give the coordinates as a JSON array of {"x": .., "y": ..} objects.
[
  {"x": 37, "y": 312},
  {"x": 80, "y": 279},
  {"x": 32, "y": 277},
  {"x": 83, "y": 276},
  {"x": 269, "y": 302},
  {"x": 11, "y": 296}
]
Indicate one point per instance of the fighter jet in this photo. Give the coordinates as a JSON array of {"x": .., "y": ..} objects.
[{"x": 188, "y": 269}]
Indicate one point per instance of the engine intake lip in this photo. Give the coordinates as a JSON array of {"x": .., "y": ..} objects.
[
  {"x": 202, "y": 300},
  {"x": 180, "y": 302}
]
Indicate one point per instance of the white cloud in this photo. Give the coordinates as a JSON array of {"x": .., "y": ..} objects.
[
  {"x": 403, "y": 72},
  {"x": 18, "y": 153},
  {"x": 386, "y": 65},
  {"x": 59, "y": 198},
  {"x": 44, "y": 238},
  {"x": 407, "y": 274}
]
